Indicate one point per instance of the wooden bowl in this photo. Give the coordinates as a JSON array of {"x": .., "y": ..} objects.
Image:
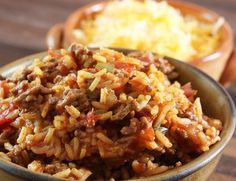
[
  {"x": 216, "y": 103},
  {"x": 61, "y": 35}
]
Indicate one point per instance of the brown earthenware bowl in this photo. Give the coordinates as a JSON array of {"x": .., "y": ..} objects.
[
  {"x": 216, "y": 103},
  {"x": 61, "y": 35}
]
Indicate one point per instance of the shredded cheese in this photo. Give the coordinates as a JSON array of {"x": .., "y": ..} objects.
[{"x": 150, "y": 25}]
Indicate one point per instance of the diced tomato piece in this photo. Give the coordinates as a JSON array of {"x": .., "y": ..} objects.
[
  {"x": 72, "y": 81},
  {"x": 4, "y": 85},
  {"x": 53, "y": 54},
  {"x": 136, "y": 85},
  {"x": 143, "y": 137},
  {"x": 147, "y": 134},
  {"x": 119, "y": 90},
  {"x": 4, "y": 113},
  {"x": 125, "y": 66},
  {"x": 4, "y": 120}
]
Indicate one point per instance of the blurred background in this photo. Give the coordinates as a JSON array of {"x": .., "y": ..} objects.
[{"x": 24, "y": 25}]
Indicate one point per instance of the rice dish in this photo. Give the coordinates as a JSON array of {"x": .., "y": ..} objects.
[{"x": 83, "y": 114}]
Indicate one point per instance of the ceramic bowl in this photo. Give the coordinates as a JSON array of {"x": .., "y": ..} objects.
[
  {"x": 61, "y": 35},
  {"x": 216, "y": 103}
]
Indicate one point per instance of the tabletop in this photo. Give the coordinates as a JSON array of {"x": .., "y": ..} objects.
[{"x": 24, "y": 24}]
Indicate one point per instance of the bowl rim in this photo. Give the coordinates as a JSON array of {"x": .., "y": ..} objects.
[
  {"x": 218, "y": 52},
  {"x": 173, "y": 174}
]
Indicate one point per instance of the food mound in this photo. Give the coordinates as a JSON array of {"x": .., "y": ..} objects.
[
  {"x": 98, "y": 114},
  {"x": 150, "y": 25}
]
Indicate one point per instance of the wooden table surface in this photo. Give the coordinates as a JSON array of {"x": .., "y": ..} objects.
[{"x": 24, "y": 24}]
